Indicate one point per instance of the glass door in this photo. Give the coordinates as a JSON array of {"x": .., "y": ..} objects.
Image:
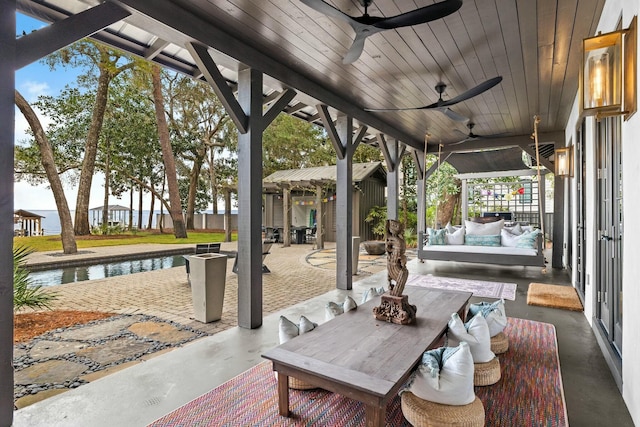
[{"x": 610, "y": 225}]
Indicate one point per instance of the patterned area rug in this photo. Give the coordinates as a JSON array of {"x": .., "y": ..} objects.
[
  {"x": 477, "y": 287},
  {"x": 528, "y": 394}
]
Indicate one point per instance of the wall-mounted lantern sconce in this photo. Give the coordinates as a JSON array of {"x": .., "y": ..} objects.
[
  {"x": 563, "y": 159},
  {"x": 608, "y": 78}
]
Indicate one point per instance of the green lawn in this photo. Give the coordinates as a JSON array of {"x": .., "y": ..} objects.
[{"x": 53, "y": 243}]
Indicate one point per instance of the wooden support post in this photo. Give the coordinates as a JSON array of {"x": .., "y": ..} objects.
[
  {"x": 248, "y": 116},
  {"x": 418, "y": 159},
  {"x": 392, "y": 151},
  {"x": 286, "y": 216},
  {"x": 319, "y": 218},
  {"x": 345, "y": 144},
  {"x": 7, "y": 124}
]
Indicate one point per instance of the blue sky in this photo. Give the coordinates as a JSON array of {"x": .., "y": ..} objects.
[{"x": 31, "y": 81}]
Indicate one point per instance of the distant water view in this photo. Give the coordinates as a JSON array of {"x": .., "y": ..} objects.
[{"x": 51, "y": 220}]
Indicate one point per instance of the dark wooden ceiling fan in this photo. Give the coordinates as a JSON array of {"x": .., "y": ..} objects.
[
  {"x": 443, "y": 106},
  {"x": 367, "y": 25},
  {"x": 472, "y": 136}
]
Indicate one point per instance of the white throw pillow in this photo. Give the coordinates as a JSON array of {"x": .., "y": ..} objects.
[
  {"x": 494, "y": 314},
  {"x": 333, "y": 309},
  {"x": 476, "y": 333},
  {"x": 509, "y": 240},
  {"x": 349, "y": 304},
  {"x": 371, "y": 293},
  {"x": 516, "y": 230},
  {"x": 306, "y": 325},
  {"x": 288, "y": 330},
  {"x": 444, "y": 376},
  {"x": 488, "y": 229},
  {"x": 456, "y": 237}
]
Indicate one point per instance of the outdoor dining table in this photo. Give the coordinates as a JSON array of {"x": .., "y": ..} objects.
[{"x": 366, "y": 359}]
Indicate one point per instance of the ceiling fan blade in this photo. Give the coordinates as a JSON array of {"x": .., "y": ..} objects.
[
  {"x": 328, "y": 10},
  {"x": 453, "y": 115},
  {"x": 420, "y": 16},
  {"x": 356, "y": 49},
  {"x": 482, "y": 87}
]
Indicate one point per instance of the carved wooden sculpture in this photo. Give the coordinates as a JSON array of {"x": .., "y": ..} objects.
[
  {"x": 394, "y": 306},
  {"x": 397, "y": 272}
]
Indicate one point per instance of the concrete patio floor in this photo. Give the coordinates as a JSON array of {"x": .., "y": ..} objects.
[{"x": 141, "y": 393}]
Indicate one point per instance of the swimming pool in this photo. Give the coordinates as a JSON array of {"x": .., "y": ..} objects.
[{"x": 60, "y": 276}]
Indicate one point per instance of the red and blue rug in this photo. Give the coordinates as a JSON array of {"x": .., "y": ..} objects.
[{"x": 528, "y": 394}]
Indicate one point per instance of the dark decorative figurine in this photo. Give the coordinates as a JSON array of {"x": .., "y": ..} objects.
[{"x": 394, "y": 306}]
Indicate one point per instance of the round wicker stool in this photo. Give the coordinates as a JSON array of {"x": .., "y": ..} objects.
[
  {"x": 423, "y": 413},
  {"x": 499, "y": 343},
  {"x": 297, "y": 384},
  {"x": 486, "y": 373}
]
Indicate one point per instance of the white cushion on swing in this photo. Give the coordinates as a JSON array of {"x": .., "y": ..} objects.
[{"x": 498, "y": 250}]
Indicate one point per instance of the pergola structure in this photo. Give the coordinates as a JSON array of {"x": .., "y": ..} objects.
[
  {"x": 267, "y": 57},
  {"x": 30, "y": 223}
]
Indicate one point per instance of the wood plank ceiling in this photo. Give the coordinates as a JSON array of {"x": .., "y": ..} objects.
[{"x": 535, "y": 45}]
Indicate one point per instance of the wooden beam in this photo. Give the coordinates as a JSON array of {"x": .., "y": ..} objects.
[
  {"x": 532, "y": 152},
  {"x": 323, "y": 111},
  {"x": 37, "y": 45},
  {"x": 486, "y": 144},
  {"x": 210, "y": 32},
  {"x": 155, "y": 49},
  {"x": 214, "y": 77},
  {"x": 278, "y": 105}
]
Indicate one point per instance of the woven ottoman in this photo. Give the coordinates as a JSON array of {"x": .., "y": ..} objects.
[
  {"x": 499, "y": 343},
  {"x": 486, "y": 373},
  {"x": 297, "y": 384},
  {"x": 423, "y": 413}
]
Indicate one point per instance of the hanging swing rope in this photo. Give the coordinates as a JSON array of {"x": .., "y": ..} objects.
[
  {"x": 435, "y": 219},
  {"x": 536, "y": 121}
]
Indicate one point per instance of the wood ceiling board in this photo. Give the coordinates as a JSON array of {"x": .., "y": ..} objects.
[
  {"x": 527, "y": 10},
  {"x": 566, "y": 11},
  {"x": 514, "y": 89},
  {"x": 547, "y": 25},
  {"x": 401, "y": 67}
]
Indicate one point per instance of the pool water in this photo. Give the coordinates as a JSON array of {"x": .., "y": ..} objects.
[{"x": 60, "y": 276}]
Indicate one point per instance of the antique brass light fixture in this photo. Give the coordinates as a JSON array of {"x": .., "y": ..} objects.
[{"x": 608, "y": 78}]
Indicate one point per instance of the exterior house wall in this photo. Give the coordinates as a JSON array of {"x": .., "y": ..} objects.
[
  {"x": 615, "y": 12},
  {"x": 371, "y": 193}
]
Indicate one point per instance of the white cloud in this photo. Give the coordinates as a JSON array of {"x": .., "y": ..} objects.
[{"x": 31, "y": 89}]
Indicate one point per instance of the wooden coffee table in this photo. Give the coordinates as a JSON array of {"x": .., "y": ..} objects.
[{"x": 366, "y": 359}]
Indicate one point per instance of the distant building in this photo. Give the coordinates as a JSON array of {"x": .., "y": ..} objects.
[
  {"x": 117, "y": 215},
  {"x": 27, "y": 223},
  {"x": 369, "y": 185}
]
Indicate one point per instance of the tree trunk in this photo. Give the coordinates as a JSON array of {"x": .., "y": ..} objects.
[
  {"x": 227, "y": 214},
  {"x": 81, "y": 225},
  {"x": 179, "y": 229},
  {"x": 105, "y": 201},
  {"x": 153, "y": 201},
  {"x": 68, "y": 239},
  {"x": 194, "y": 174},
  {"x": 212, "y": 181},
  {"x": 139, "y": 205}
]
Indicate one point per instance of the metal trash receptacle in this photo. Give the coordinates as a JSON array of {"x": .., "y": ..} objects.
[{"x": 208, "y": 277}]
